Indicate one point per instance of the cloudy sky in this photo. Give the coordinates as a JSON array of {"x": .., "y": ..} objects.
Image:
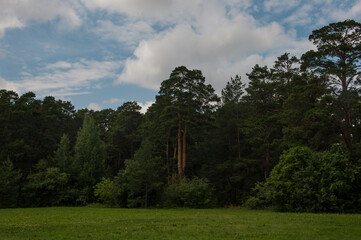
[{"x": 101, "y": 53}]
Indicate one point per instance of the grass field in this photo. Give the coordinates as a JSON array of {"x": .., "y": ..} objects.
[{"x": 114, "y": 223}]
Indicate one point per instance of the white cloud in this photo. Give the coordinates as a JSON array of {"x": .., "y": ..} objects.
[
  {"x": 219, "y": 37},
  {"x": 219, "y": 45},
  {"x": 341, "y": 14},
  {"x": 139, "y": 8},
  {"x": 114, "y": 101},
  {"x": 317, "y": 13},
  {"x": 8, "y": 22},
  {"x": 145, "y": 106},
  {"x": 302, "y": 16},
  {"x": 94, "y": 107},
  {"x": 58, "y": 65},
  {"x": 65, "y": 79},
  {"x": 8, "y": 85},
  {"x": 18, "y": 13},
  {"x": 279, "y": 6},
  {"x": 239, "y": 4},
  {"x": 129, "y": 33}
]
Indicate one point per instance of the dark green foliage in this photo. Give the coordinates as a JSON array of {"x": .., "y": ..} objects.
[
  {"x": 230, "y": 171},
  {"x": 47, "y": 186},
  {"x": 338, "y": 57},
  {"x": 261, "y": 126},
  {"x": 141, "y": 183},
  {"x": 123, "y": 135},
  {"x": 31, "y": 128},
  {"x": 233, "y": 91},
  {"x": 306, "y": 116},
  {"x": 262, "y": 196},
  {"x": 195, "y": 193},
  {"x": 189, "y": 105},
  {"x": 308, "y": 181},
  {"x": 89, "y": 160},
  {"x": 338, "y": 53},
  {"x": 63, "y": 158},
  {"x": 9, "y": 184}
]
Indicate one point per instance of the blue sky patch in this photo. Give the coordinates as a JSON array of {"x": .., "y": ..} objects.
[{"x": 101, "y": 53}]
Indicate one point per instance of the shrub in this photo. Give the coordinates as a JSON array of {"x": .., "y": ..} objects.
[
  {"x": 46, "y": 186},
  {"x": 308, "y": 181},
  {"x": 195, "y": 193},
  {"x": 9, "y": 180},
  {"x": 262, "y": 193},
  {"x": 140, "y": 184},
  {"x": 105, "y": 191}
]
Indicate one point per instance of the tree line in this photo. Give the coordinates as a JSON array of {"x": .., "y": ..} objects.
[{"x": 291, "y": 139}]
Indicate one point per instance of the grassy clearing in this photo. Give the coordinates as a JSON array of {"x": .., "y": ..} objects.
[{"x": 233, "y": 223}]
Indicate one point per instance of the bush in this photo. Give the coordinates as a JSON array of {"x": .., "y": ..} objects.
[
  {"x": 308, "y": 181},
  {"x": 262, "y": 193},
  {"x": 105, "y": 191},
  {"x": 140, "y": 184},
  {"x": 9, "y": 180},
  {"x": 195, "y": 193},
  {"x": 47, "y": 186}
]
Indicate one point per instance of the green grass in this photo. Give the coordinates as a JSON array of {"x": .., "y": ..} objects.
[{"x": 113, "y": 223}]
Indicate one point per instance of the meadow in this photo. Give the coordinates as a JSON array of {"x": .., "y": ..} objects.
[{"x": 115, "y": 223}]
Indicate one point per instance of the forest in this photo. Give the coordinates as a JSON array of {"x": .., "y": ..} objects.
[{"x": 289, "y": 139}]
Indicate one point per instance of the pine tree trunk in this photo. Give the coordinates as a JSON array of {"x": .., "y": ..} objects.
[
  {"x": 175, "y": 151},
  {"x": 167, "y": 160},
  {"x": 180, "y": 169},
  {"x": 346, "y": 125},
  {"x": 184, "y": 149},
  {"x": 346, "y": 129}
]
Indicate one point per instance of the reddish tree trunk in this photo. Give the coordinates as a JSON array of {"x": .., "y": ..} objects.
[
  {"x": 180, "y": 169},
  {"x": 167, "y": 160},
  {"x": 184, "y": 149}
]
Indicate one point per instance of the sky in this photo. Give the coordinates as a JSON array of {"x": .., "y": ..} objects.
[{"x": 101, "y": 53}]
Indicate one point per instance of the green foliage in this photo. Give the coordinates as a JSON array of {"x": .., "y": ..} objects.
[
  {"x": 338, "y": 57},
  {"x": 62, "y": 158},
  {"x": 195, "y": 193},
  {"x": 233, "y": 91},
  {"x": 261, "y": 197},
  {"x": 306, "y": 116},
  {"x": 140, "y": 184},
  {"x": 228, "y": 166},
  {"x": 89, "y": 159},
  {"x": 105, "y": 191},
  {"x": 31, "y": 128},
  {"x": 47, "y": 186},
  {"x": 338, "y": 52},
  {"x": 123, "y": 135},
  {"x": 189, "y": 106},
  {"x": 307, "y": 181},
  {"x": 9, "y": 184},
  {"x": 261, "y": 124}
]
